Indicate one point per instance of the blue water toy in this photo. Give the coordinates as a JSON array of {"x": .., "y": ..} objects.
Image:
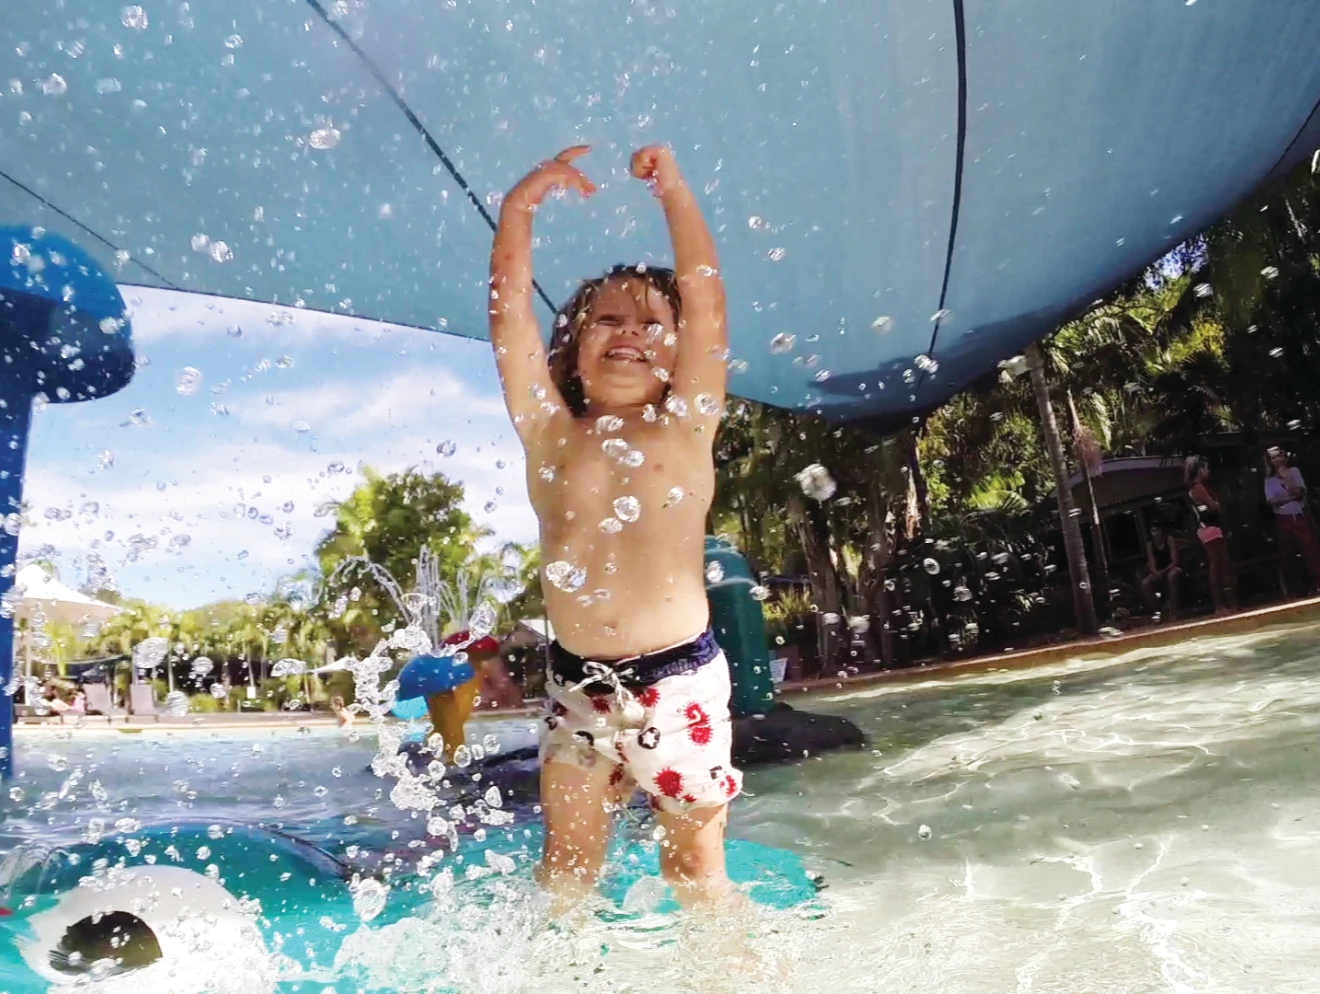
[{"x": 425, "y": 675}]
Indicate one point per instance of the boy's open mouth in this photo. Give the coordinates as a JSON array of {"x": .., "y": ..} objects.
[{"x": 625, "y": 353}]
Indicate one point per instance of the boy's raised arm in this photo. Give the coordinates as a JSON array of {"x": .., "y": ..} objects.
[
  {"x": 700, "y": 368},
  {"x": 514, "y": 333}
]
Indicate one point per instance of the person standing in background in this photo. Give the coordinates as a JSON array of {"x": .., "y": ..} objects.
[
  {"x": 1209, "y": 529},
  {"x": 1285, "y": 490}
]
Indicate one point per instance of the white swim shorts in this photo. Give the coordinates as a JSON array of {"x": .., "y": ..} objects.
[{"x": 662, "y": 721}]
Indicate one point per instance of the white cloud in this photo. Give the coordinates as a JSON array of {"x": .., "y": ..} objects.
[
  {"x": 369, "y": 394},
  {"x": 170, "y": 314},
  {"x": 409, "y": 398}
]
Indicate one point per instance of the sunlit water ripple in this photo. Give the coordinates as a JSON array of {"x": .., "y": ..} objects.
[{"x": 1142, "y": 824}]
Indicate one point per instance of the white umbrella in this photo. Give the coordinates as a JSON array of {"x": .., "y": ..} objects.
[
  {"x": 41, "y": 592},
  {"x": 43, "y": 596}
]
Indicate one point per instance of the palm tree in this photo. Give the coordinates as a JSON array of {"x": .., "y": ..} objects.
[{"x": 1083, "y": 604}]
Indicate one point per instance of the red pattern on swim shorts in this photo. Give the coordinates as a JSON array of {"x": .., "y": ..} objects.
[
  {"x": 669, "y": 782},
  {"x": 699, "y": 730}
]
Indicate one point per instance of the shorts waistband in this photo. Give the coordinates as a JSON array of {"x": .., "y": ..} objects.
[{"x": 635, "y": 671}]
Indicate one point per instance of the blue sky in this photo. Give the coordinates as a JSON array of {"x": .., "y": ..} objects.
[{"x": 277, "y": 410}]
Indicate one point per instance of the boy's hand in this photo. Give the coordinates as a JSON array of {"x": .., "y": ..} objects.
[
  {"x": 558, "y": 173},
  {"x": 655, "y": 164}
]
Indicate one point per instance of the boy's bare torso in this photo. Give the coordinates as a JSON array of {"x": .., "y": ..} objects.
[{"x": 641, "y": 586}]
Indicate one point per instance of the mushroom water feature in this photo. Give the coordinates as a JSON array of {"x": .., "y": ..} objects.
[{"x": 64, "y": 337}]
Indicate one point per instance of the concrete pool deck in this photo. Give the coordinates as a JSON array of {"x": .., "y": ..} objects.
[{"x": 1151, "y": 637}]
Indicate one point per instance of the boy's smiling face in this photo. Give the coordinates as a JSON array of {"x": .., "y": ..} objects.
[{"x": 627, "y": 345}]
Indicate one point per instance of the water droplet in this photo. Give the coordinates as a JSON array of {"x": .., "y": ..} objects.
[
  {"x": 369, "y": 897},
  {"x": 781, "y": 343},
  {"x": 201, "y": 243},
  {"x": 676, "y": 406},
  {"x": 218, "y": 691},
  {"x": 615, "y": 448},
  {"x": 961, "y": 593},
  {"x": 234, "y": 41},
  {"x": 757, "y": 223},
  {"x": 482, "y": 621},
  {"x": 446, "y": 449},
  {"x": 674, "y": 496},
  {"x": 546, "y": 473},
  {"x": 707, "y": 404},
  {"x": 1202, "y": 290},
  {"x": 54, "y": 85},
  {"x": 776, "y": 254},
  {"x": 134, "y": 18},
  {"x": 816, "y": 482},
  {"x": 565, "y": 575},
  {"x": 301, "y": 427},
  {"x": 323, "y": 138},
  {"x": 105, "y": 458},
  {"x": 649, "y": 414},
  {"x": 234, "y": 331},
  {"x": 287, "y": 667},
  {"x": 924, "y": 832},
  {"x": 279, "y": 319},
  {"x": 221, "y": 252},
  {"x": 760, "y": 593},
  {"x": 188, "y": 380},
  {"x": 633, "y": 458},
  {"x": 103, "y": 86},
  {"x": 714, "y": 572},
  {"x": 611, "y": 526},
  {"x": 627, "y": 508},
  {"x": 608, "y": 423},
  {"x": 941, "y": 314},
  {"x": 1270, "y": 272},
  {"x": 931, "y": 566},
  {"x": 926, "y": 364},
  {"x": 176, "y": 704}
]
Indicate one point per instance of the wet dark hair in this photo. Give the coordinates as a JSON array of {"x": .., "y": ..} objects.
[
  {"x": 1192, "y": 467},
  {"x": 563, "y": 355}
]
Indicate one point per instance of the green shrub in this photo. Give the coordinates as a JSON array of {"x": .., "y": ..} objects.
[
  {"x": 791, "y": 617},
  {"x": 276, "y": 690},
  {"x": 203, "y": 704}
]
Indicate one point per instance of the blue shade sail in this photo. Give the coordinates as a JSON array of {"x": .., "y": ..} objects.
[{"x": 912, "y": 190}]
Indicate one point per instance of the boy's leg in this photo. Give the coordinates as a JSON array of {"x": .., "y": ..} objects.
[
  {"x": 576, "y": 802},
  {"x": 692, "y": 854}
]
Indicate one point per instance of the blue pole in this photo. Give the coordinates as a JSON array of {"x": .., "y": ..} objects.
[
  {"x": 15, "y": 417},
  {"x": 64, "y": 334}
]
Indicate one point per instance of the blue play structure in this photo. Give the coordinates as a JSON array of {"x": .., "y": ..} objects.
[
  {"x": 64, "y": 337},
  {"x": 169, "y": 898}
]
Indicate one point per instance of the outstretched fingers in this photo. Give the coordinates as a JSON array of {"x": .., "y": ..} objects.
[{"x": 561, "y": 170}]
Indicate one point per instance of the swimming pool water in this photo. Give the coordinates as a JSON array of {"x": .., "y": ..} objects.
[{"x": 1146, "y": 823}]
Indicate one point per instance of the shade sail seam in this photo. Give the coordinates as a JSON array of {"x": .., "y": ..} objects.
[
  {"x": 420, "y": 128},
  {"x": 74, "y": 221},
  {"x": 960, "y": 47},
  {"x": 1287, "y": 152}
]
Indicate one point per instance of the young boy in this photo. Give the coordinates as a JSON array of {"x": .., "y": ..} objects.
[{"x": 618, "y": 424}]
